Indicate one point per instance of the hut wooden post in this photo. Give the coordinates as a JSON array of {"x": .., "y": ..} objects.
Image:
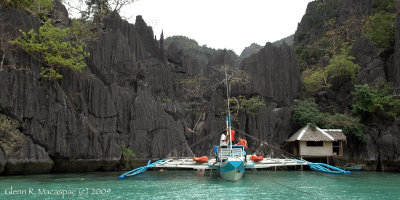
[{"x": 301, "y": 168}]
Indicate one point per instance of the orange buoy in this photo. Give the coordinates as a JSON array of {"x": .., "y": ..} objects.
[
  {"x": 256, "y": 158},
  {"x": 202, "y": 159}
]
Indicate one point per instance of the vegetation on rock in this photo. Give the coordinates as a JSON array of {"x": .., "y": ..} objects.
[
  {"x": 288, "y": 40},
  {"x": 196, "y": 87},
  {"x": 377, "y": 100},
  {"x": 306, "y": 111},
  {"x": 191, "y": 48},
  {"x": 127, "y": 152},
  {"x": 248, "y": 105},
  {"x": 41, "y": 8},
  {"x": 340, "y": 65},
  {"x": 55, "y": 48},
  {"x": 380, "y": 28},
  {"x": 11, "y": 136},
  {"x": 326, "y": 36}
]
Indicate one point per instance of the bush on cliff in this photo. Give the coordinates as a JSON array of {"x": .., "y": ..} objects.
[
  {"x": 306, "y": 111},
  {"x": 56, "y": 49},
  {"x": 127, "y": 152},
  {"x": 377, "y": 100},
  {"x": 380, "y": 28},
  {"x": 314, "y": 79},
  {"x": 340, "y": 65},
  {"x": 248, "y": 105}
]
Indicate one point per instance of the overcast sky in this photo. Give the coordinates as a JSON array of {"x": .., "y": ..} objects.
[{"x": 230, "y": 24}]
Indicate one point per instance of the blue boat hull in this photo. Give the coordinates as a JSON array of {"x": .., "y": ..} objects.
[{"x": 232, "y": 169}]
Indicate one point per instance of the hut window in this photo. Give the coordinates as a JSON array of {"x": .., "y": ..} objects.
[{"x": 315, "y": 143}]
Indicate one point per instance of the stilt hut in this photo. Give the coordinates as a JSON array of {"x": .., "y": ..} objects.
[{"x": 311, "y": 141}]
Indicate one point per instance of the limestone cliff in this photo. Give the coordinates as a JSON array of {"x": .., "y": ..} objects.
[
  {"x": 381, "y": 150},
  {"x": 130, "y": 95},
  {"x": 81, "y": 123}
]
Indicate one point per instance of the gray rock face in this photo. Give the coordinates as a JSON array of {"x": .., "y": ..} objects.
[
  {"x": 82, "y": 121},
  {"x": 367, "y": 56},
  {"x": 181, "y": 63},
  {"x": 225, "y": 57},
  {"x": 59, "y": 14},
  {"x": 311, "y": 27},
  {"x": 350, "y": 8},
  {"x": 275, "y": 74},
  {"x": 18, "y": 154},
  {"x": 396, "y": 65},
  {"x": 2, "y": 161},
  {"x": 271, "y": 124},
  {"x": 274, "y": 67},
  {"x": 252, "y": 49},
  {"x": 381, "y": 149}
]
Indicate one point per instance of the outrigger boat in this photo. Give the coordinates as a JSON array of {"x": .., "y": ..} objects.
[
  {"x": 229, "y": 169},
  {"x": 231, "y": 161},
  {"x": 353, "y": 167}
]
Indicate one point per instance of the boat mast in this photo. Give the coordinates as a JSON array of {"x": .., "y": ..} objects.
[{"x": 229, "y": 112}]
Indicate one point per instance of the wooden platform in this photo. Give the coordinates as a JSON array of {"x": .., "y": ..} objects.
[{"x": 188, "y": 163}]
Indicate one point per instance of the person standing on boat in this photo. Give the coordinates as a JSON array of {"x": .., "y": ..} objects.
[
  {"x": 232, "y": 135},
  {"x": 242, "y": 142},
  {"x": 223, "y": 140}
]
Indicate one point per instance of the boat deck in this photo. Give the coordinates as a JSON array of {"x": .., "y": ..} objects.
[{"x": 188, "y": 163}]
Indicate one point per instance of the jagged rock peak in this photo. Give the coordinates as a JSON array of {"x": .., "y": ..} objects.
[
  {"x": 250, "y": 50},
  {"x": 275, "y": 74},
  {"x": 225, "y": 57},
  {"x": 60, "y": 14}
]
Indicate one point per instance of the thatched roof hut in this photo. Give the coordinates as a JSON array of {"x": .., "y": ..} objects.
[
  {"x": 313, "y": 133},
  {"x": 311, "y": 141}
]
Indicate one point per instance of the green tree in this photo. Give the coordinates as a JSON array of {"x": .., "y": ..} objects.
[
  {"x": 249, "y": 106},
  {"x": 306, "y": 111},
  {"x": 380, "y": 28},
  {"x": 96, "y": 10},
  {"x": 342, "y": 65},
  {"x": 315, "y": 80},
  {"x": 55, "y": 48},
  {"x": 350, "y": 125}
]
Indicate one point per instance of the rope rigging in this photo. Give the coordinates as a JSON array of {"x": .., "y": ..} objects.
[
  {"x": 198, "y": 120},
  {"x": 198, "y": 142},
  {"x": 276, "y": 182},
  {"x": 270, "y": 145}
]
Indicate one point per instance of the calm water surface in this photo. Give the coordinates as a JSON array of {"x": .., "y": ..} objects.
[{"x": 173, "y": 184}]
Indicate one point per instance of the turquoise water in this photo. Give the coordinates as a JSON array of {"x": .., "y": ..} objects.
[{"x": 174, "y": 184}]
